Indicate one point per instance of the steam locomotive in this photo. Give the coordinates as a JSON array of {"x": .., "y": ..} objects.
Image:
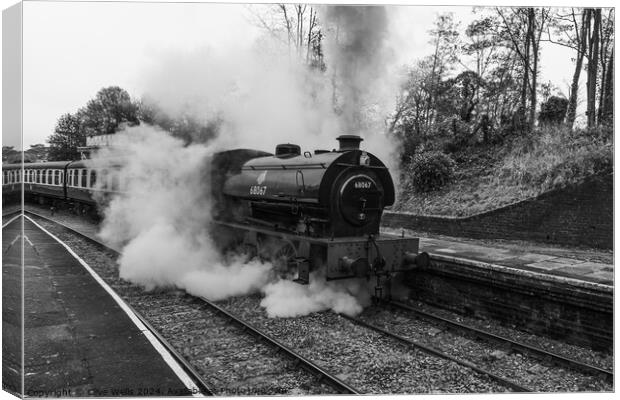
[
  {"x": 305, "y": 212},
  {"x": 312, "y": 211}
]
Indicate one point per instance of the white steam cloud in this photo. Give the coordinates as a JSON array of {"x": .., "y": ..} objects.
[{"x": 161, "y": 220}]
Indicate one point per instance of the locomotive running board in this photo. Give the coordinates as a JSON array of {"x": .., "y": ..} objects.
[{"x": 346, "y": 257}]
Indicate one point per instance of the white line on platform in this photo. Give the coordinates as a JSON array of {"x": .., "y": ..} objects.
[
  {"x": 11, "y": 220},
  {"x": 174, "y": 365}
]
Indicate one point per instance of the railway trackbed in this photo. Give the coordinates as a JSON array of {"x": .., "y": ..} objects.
[
  {"x": 329, "y": 350},
  {"x": 514, "y": 385},
  {"x": 518, "y": 365},
  {"x": 198, "y": 333},
  {"x": 510, "y": 344}
]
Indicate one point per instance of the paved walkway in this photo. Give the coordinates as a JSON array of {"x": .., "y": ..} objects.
[{"x": 78, "y": 341}]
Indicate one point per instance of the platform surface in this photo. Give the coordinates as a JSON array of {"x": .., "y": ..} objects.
[
  {"x": 589, "y": 265},
  {"x": 78, "y": 341}
]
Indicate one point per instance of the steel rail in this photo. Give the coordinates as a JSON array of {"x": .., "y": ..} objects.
[
  {"x": 200, "y": 383},
  {"x": 311, "y": 367},
  {"x": 438, "y": 353},
  {"x": 542, "y": 354},
  {"x": 307, "y": 364}
]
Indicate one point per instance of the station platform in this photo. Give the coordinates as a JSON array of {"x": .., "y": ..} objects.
[
  {"x": 588, "y": 265},
  {"x": 78, "y": 340}
]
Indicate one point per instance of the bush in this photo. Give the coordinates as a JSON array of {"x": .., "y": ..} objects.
[
  {"x": 430, "y": 171},
  {"x": 552, "y": 111}
]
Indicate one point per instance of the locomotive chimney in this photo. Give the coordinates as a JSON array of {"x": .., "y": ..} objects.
[{"x": 349, "y": 142}]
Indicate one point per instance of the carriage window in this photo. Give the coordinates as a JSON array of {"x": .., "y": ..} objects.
[
  {"x": 84, "y": 178},
  {"x": 76, "y": 177},
  {"x": 93, "y": 178},
  {"x": 56, "y": 177},
  {"x": 3, "y": 177}
]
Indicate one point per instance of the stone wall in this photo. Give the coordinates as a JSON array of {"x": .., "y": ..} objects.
[{"x": 578, "y": 214}]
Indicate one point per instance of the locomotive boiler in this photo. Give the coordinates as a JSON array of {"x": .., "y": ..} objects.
[{"x": 312, "y": 210}]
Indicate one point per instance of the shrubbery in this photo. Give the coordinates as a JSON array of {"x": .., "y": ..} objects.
[
  {"x": 552, "y": 157},
  {"x": 430, "y": 170}
]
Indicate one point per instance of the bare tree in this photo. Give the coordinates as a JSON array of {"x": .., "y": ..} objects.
[
  {"x": 606, "y": 35},
  {"x": 593, "y": 55},
  {"x": 295, "y": 25},
  {"x": 523, "y": 28}
]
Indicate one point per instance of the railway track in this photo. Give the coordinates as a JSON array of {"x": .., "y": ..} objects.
[
  {"x": 514, "y": 385},
  {"x": 517, "y": 365},
  {"x": 342, "y": 387},
  {"x": 512, "y": 345},
  {"x": 322, "y": 376}
]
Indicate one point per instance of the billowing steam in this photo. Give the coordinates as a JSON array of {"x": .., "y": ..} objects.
[
  {"x": 161, "y": 220},
  {"x": 358, "y": 56}
]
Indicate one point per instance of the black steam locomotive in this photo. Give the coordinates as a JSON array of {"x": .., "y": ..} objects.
[{"x": 313, "y": 210}]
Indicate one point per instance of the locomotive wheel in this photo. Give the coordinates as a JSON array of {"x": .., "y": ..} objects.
[{"x": 283, "y": 257}]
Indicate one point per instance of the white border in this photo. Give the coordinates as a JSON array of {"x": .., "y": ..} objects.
[{"x": 172, "y": 363}]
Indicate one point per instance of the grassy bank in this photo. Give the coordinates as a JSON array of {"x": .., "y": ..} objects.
[{"x": 488, "y": 177}]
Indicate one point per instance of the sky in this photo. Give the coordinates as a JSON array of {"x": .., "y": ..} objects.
[{"x": 73, "y": 49}]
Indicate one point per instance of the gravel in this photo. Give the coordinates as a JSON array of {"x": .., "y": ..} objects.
[
  {"x": 524, "y": 369},
  {"x": 595, "y": 358},
  {"x": 365, "y": 359}
]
